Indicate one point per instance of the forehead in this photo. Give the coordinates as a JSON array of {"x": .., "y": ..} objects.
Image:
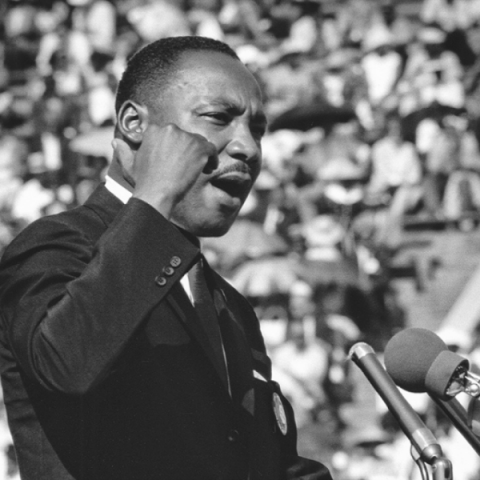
[{"x": 216, "y": 76}]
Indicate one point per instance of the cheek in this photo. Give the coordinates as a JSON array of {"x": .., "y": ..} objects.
[{"x": 255, "y": 167}]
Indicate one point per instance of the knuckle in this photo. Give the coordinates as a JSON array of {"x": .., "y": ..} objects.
[
  {"x": 211, "y": 148},
  {"x": 171, "y": 128}
]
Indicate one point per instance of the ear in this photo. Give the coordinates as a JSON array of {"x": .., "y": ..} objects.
[{"x": 132, "y": 121}]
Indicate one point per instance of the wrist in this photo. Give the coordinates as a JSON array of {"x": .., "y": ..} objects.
[{"x": 162, "y": 203}]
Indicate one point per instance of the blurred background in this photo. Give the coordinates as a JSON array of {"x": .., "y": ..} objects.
[{"x": 364, "y": 220}]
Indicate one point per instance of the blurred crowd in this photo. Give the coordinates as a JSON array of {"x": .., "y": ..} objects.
[{"x": 374, "y": 112}]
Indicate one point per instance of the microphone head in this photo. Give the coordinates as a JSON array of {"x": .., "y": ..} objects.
[
  {"x": 445, "y": 368},
  {"x": 409, "y": 355}
]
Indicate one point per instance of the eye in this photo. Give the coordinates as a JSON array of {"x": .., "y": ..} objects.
[{"x": 220, "y": 118}]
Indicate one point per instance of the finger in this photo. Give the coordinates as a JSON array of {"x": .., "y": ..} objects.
[
  {"x": 212, "y": 158},
  {"x": 124, "y": 156},
  {"x": 122, "y": 153},
  {"x": 208, "y": 147},
  {"x": 205, "y": 148},
  {"x": 211, "y": 149}
]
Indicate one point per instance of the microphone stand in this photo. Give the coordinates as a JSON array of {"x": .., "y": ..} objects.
[
  {"x": 458, "y": 416},
  {"x": 423, "y": 442},
  {"x": 441, "y": 466},
  {"x": 442, "y": 469}
]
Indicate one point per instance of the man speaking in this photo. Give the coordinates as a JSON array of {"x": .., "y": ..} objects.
[{"x": 124, "y": 356}]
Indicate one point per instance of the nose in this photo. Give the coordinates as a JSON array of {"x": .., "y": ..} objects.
[{"x": 244, "y": 146}]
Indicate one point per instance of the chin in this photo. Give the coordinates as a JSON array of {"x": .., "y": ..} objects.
[
  {"x": 212, "y": 230},
  {"x": 213, "y": 227},
  {"x": 207, "y": 221}
]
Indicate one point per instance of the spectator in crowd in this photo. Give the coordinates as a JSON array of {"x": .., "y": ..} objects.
[
  {"x": 439, "y": 146},
  {"x": 395, "y": 180}
]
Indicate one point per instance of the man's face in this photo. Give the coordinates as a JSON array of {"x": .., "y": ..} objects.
[{"x": 215, "y": 96}]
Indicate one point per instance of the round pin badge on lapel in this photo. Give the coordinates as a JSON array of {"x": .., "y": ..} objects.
[{"x": 279, "y": 411}]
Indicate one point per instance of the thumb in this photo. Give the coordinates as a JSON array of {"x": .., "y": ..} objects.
[{"x": 124, "y": 156}]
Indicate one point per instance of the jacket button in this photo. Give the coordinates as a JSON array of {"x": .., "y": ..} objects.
[
  {"x": 168, "y": 271},
  {"x": 160, "y": 281},
  {"x": 175, "y": 261},
  {"x": 233, "y": 436}
]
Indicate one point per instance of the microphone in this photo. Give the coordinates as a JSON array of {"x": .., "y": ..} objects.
[
  {"x": 419, "y": 435},
  {"x": 419, "y": 361}
]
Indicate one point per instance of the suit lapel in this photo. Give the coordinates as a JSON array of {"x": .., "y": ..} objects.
[
  {"x": 179, "y": 301},
  {"x": 239, "y": 357},
  {"x": 238, "y": 353}
]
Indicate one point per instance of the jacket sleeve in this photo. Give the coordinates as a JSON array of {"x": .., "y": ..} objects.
[{"x": 69, "y": 306}]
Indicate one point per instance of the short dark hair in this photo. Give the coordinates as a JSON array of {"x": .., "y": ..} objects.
[{"x": 152, "y": 66}]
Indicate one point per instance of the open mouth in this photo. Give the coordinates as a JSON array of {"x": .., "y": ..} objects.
[{"x": 235, "y": 184}]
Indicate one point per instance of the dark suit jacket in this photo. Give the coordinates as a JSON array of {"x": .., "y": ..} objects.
[{"x": 106, "y": 369}]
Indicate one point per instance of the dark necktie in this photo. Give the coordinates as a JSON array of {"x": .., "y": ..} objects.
[{"x": 205, "y": 308}]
